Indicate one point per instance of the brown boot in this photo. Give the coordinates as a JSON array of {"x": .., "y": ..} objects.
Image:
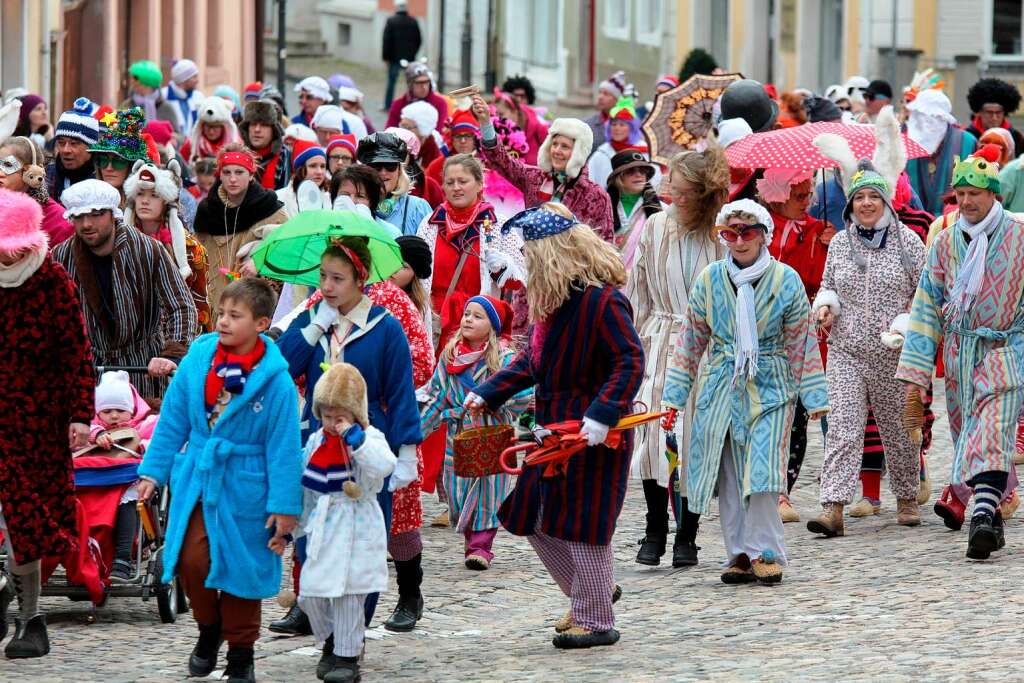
[
  {"x": 830, "y": 522},
  {"x": 907, "y": 513}
]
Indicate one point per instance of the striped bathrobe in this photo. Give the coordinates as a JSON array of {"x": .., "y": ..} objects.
[
  {"x": 153, "y": 313},
  {"x": 982, "y": 353},
  {"x": 445, "y": 395},
  {"x": 757, "y": 414},
  {"x": 589, "y": 362}
]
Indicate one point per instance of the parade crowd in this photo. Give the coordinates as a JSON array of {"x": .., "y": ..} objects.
[{"x": 511, "y": 270}]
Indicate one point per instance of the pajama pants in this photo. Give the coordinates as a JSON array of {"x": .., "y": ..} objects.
[
  {"x": 852, "y": 386},
  {"x": 584, "y": 572},
  {"x": 239, "y": 618},
  {"x": 747, "y": 529},
  {"x": 480, "y": 542},
  {"x": 343, "y": 617}
]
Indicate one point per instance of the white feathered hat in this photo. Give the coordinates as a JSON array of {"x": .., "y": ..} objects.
[
  {"x": 583, "y": 139},
  {"x": 166, "y": 183}
]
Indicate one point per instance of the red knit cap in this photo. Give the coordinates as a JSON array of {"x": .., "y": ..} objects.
[{"x": 346, "y": 140}]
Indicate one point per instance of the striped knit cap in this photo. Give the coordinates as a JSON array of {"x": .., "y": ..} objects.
[{"x": 79, "y": 123}]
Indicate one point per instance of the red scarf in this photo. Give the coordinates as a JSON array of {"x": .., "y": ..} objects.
[
  {"x": 976, "y": 122},
  {"x": 230, "y": 371},
  {"x": 464, "y": 357},
  {"x": 163, "y": 234},
  {"x": 457, "y": 220}
]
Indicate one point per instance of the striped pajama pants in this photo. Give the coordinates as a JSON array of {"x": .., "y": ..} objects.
[
  {"x": 344, "y": 617},
  {"x": 584, "y": 572}
]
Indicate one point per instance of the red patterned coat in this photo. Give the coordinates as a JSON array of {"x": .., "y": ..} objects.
[{"x": 48, "y": 381}]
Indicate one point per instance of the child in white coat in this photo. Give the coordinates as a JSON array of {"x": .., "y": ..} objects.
[{"x": 347, "y": 461}]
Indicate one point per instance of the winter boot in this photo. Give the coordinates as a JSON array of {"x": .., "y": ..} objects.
[
  {"x": 6, "y": 595},
  {"x": 326, "y": 663},
  {"x": 240, "y": 668},
  {"x": 684, "y": 548},
  {"x": 950, "y": 509},
  {"x": 652, "y": 545},
  {"x": 983, "y": 538},
  {"x": 295, "y": 623},
  {"x": 907, "y": 512},
  {"x": 830, "y": 522},
  {"x": 409, "y": 609},
  {"x": 346, "y": 670},
  {"x": 203, "y": 659},
  {"x": 30, "y": 638}
]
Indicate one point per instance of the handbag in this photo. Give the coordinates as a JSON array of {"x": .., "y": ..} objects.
[{"x": 477, "y": 451}]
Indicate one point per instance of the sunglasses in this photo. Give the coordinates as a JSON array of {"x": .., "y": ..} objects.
[
  {"x": 389, "y": 166},
  {"x": 10, "y": 165},
  {"x": 748, "y": 233},
  {"x": 111, "y": 161}
]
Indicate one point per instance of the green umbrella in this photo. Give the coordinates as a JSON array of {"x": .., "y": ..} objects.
[{"x": 292, "y": 252}]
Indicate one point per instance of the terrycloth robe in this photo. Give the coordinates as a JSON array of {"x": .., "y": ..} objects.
[
  {"x": 243, "y": 470},
  {"x": 757, "y": 414},
  {"x": 981, "y": 353}
]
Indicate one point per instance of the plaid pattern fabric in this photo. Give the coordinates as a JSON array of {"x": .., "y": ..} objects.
[{"x": 585, "y": 573}]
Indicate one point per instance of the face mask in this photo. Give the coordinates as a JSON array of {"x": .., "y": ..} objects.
[{"x": 10, "y": 165}]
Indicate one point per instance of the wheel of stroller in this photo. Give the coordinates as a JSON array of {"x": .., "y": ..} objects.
[{"x": 166, "y": 595}]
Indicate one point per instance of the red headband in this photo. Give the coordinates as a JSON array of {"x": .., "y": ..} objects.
[
  {"x": 236, "y": 159},
  {"x": 361, "y": 273}
]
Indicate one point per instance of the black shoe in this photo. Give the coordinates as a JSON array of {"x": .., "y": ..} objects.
[
  {"x": 684, "y": 553},
  {"x": 651, "y": 550},
  {"x": 407, "y": 613},
  {"x": 30, "y": 639},
  {"x": 578, "y": 638},
  {"x": 346, "y": 670},
  {"x": 240, "y": 668},
  {"x": 203, "y": 659},
  {"x": 121, "y": 572},
  {"x": 6, "y": 595},
  {"x": 983, "y": 538},
  {"x": 295, "y": 623},
  {"x": 616, "y": 593},
  {"x": 326, "y": 663}
]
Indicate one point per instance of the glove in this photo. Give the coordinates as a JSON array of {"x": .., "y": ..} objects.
[
  {"x": 325, "y": 316},
  {"x": 473, "y": 403},
  {"x": 405, "y": 469},
  {"x": 595, "y": 432},
  {"x": 496, "y": 260}
]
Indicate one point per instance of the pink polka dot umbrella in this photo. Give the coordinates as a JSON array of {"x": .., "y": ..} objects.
[{"x": 794, "y": 147}]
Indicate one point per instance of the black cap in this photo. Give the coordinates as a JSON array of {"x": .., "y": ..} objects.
[
  {"x": 878, "y": 88},
  {"x": 382, "y": 148},
  {"x": 746, "y": 99},
  {"x": 821, "y": 109},
  {"x": 416, "y": 252}
]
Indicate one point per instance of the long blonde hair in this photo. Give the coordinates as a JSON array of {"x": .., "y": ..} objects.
[
  {"x": 492, "y": 354},
  {"x": 708, "y": 173},
  {"x": 573, "y": 259}
]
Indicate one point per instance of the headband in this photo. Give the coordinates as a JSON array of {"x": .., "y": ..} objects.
[
  {"x": 536, "y": 223},
  {"x": 361, "y": 273},
  {"x": 490, "y": 310},
  {"x": 236, "y": 159}
]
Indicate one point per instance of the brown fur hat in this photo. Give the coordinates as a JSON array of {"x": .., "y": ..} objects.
[
  {"x": 261, "y": 111},
  {"x": 342, "y": 387}
]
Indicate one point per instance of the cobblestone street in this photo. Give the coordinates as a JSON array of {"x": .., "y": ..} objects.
[{"x": 883, "y": 603}]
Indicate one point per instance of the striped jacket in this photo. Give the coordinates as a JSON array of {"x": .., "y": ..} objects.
[
  {"x": 152, "y": 312},
  {"x": 591, "y": 363}
]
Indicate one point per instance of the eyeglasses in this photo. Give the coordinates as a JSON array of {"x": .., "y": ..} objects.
[
  {"x": 344, "y": 158},
  {"x": 748, "y": 233},
  {"x": 111, "y": 161},
  {"x": 10, "y": 165},
  {"x": 389, "y": 166},
  {"x": 423, "y": 81}
]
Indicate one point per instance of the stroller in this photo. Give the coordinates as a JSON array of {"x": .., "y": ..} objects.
[{"x": 83, "y": 573}]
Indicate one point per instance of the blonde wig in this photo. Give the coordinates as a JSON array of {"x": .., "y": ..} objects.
[{"x": 708, "y": 173}]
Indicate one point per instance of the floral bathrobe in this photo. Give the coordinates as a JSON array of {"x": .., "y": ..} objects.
[{"x": 758, "y": 414}]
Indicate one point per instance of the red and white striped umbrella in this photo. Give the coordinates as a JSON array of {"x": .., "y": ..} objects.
[{"x": 794, "y": 147}]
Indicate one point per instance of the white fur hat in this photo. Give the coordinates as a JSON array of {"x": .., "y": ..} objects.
[
  {"x": 166, "y": 183},
  {"x": 115, "y": 392},
  {"x": 577, "y": 131},
  {"x": 423, "y": 114}
]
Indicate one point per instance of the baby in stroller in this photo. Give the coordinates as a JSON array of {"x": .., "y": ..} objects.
[{"x": 121, "y": 428}]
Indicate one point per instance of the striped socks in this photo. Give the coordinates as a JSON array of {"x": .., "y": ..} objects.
[{"x": 986, "y": 500}]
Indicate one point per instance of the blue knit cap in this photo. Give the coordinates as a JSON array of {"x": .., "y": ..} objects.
[{"x": 78, "y": 122}]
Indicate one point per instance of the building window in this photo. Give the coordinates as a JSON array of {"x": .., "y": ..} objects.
[
  {"x": 830, "y": 37},
  {"x": 617, "y": 18},
  {"x": 1007, "y": 27},
  {"x": 648, "y": 21},
  {"x": 720, "y": 32},
  {"x": 543, "y": 32}
]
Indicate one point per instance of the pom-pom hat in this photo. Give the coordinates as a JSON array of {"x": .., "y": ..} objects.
[
  {"x": 20, "y": 223},
  {"x": 79, "y": 123},
  {"x": 978, "y": 170},
  {"x": 866, "y": 177},
  {"x": 499, "y": 313},
  {"x": 114, "y": 392},
  {"x": 303, "y": 151}
]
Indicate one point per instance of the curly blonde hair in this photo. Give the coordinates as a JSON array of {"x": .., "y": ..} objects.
[
  {"x": 708, "y": 173},
  {"x": 573, "y": 259}
]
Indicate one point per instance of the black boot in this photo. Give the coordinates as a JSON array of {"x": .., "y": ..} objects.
[
  {"x": 652, "y": 545},
  {"x": 684, "y": 549},
  {"x": 326, "y": 663},
  {"x": 346, "y": 670},
  {"x": 30, "y": 638},
  {"x": 203, "y": 659},
  {"x": 6, "y": 595},
  {"x": 409, "y": 609},
  {"x": 240, "y": 668},
  {"x": 983, "y": 538},
  {"x": 295, "y": 623},
  {"x": 125, "y": 529}
]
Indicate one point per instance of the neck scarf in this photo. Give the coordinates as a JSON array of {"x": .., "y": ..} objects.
[
  {"x": 329, "y": 466},
  {"x": 746, "y": 315},
  {"x": 15, "y": 274},
  {"x": 972, "y": 270},
  {"x": 162, "y": 234},
  {"x": 456, "y": 220},
  {"x": 464, "y": 357},
  {"x": 148, "y": 103},
  {"x": 977, "y": 124},
  {"x": 874, "y": 238},
  {"x": 230, "y": 371}
]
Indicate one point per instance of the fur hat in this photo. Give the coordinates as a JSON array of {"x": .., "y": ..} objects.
[
  {"x": 115, "y": 392},
  {"x": 261, "y": 111},
  {"x": 166, "y": 183},
  {"x": 344, "y": 388},
  {"x": 213, "y": 111},
  {"x": 575, "y": 130},
  {"x": 20, "y": 222}
]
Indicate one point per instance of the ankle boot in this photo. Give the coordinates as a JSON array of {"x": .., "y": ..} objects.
[
  {"x": 652, "y": 545},
  {"x": 295, "y": 623},
  {"x": 907, "y": 512},
  {"x": 326, "y": 663},
  {"x": 409, "y": 609},
  {"x": 684, "y": 548},
  {"x": 240, "y": 668},
  {"x": 30, "y": 638},
  {"x": 203, "y": 659},
  {"x": 830, "y": 522}
]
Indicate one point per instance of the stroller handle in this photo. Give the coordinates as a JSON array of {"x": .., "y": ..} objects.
[{"x": 125, "y": 368}]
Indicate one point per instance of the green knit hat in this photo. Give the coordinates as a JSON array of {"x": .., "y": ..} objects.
[
  {"x": 147, "y": 72},
  {"x": 624, "y": 109},
  {"x": 865, "y": 177},
  {"x": 123, "y": 137}
]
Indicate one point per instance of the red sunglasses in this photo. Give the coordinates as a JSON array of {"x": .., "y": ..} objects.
[{"x": 748, "y": 233}]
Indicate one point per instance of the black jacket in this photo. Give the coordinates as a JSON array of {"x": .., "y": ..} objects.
[{"x": 402, "y": 38}]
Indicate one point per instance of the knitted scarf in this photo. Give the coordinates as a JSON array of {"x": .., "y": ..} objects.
[
  {"x": 148, "y": 103},
  {"x": 746, "y": 342},
  {"x": 230, "y": 371},
  {"x": 329, "y": 467}
]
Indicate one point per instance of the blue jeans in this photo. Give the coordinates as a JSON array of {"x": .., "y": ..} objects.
[{"x": 393, "y": 69}]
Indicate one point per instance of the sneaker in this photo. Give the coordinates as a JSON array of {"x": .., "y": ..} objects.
[
  {"x": 121, "y": 572},
  {"x": 865, "y": 507},
  {"x": 578, "y": 637},
  {"x": 1009, "y": 506},
  {"x": 477, "y": 562},
  {"x": 787, "y": 512}
]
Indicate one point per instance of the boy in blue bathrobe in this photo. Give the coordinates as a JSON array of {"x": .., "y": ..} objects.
[{"x": 228, "y": 443}]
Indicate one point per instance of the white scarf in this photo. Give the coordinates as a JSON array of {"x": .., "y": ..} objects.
[
  {"x": 972, "y": 271},
  {"x": 746, "y": 314},
  {"x": 927, "y": 130},
  {"x": 15, "y": 274}
]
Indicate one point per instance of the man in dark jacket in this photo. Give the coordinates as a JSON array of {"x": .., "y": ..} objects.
[
  {"x": 402, "y": 40},
  {"x": 992, "y": 100}
]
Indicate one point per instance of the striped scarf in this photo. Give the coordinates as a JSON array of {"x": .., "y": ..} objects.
[
  {"x": 329, "y": 467},
  {"x": 230, "y": 371}
]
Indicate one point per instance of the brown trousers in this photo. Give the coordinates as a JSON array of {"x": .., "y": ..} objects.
[{"x": 239, "y": 618}]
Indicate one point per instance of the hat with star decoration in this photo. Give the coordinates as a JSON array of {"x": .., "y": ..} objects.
[{"x": 122, "y": 135}]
